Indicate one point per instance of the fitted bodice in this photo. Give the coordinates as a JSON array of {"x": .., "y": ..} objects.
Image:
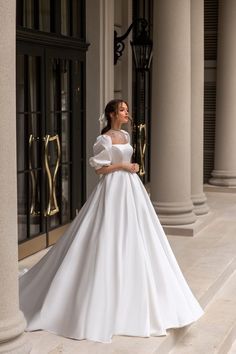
[
  {"x": 121, "y": 153},
  {"x": 106, "y": 153}
]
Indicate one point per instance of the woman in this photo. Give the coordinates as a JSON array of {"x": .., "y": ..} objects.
[{"x": 113, "y": 272}]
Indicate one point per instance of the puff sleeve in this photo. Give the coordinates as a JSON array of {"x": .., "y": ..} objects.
[{"x": 102, "y": 152}]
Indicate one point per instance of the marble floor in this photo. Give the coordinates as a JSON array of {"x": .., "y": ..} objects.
[
  {"x": 207, "y": 260},
  {"x": 233, "y": 349}
]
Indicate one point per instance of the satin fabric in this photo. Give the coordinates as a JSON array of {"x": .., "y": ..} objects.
[{"x": 113, "y": 272}]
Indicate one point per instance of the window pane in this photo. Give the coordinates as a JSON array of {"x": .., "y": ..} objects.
[
  {"x": 64, "y": 18},
  {"x": 54, "y": 82},
  {"x": 54, "y": 221},
  {"x": 65, "y": 137},
  {"x": 65, "y": 76},
  {"x": 34, "y": 77},
  {"x": 77, "y": 18},
  {"x": 22, "y": 187},
  {"x": 19, "y": 12},
  {"x": 65, "y": 202},
  {"x": 20, "y": 83},
  {"x": 21, "y": 138},
  {"x": 28, "y": 13},
  {"x": 34, "y": 202},
  {"x": 44, "y": 15}
]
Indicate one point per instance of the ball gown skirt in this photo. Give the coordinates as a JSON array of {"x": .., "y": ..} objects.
[{"x": 113, "y": 271}]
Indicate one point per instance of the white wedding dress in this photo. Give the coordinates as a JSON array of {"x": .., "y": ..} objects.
[{"x": 113, "y": 272}]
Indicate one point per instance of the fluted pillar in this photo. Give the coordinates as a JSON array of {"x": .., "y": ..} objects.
[
  {"x": 12, "y": 322},
  {"x": 197, "y": 94},
  {"x": 224, "y": 173},
  {"x": 171, "y": 113}
]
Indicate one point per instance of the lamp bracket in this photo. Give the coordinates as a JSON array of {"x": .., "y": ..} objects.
[{"x": 119, "y": 45}]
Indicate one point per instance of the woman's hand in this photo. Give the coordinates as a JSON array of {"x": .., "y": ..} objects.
[
  {"x": 131, "y": 167},
  {"x": 125, "y": 166}
]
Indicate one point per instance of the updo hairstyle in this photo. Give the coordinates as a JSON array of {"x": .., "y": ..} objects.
[{"x": 111, "y": 107}]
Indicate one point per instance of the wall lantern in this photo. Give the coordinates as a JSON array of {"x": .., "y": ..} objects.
[{"x": 141, "y": 45}]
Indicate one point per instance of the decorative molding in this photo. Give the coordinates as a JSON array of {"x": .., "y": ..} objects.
[{"x": 50, "y": 39}]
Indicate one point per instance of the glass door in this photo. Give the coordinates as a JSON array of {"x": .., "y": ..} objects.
[{"x": 50, "y": 118}]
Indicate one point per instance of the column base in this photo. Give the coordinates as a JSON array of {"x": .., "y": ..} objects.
[
  {"x": 218, "y": 189},
  {"x": 200, "y": 206},
  {"x": 175, "y": 213},
  {"x": 19, "y": 345},
  {"x": 223, "y": 178},
  {"x": 12, "y": 327},
  {"x": 12, "y": 339},
  {"x": 190, "y": 230}
]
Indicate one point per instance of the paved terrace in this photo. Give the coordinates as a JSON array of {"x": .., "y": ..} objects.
[{"x": 208, "y": 261}]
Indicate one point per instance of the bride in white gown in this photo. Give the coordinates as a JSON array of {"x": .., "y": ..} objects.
[{"x": 113, "y": 272}]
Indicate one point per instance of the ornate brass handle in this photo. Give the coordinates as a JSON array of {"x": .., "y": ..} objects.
[
  {"x": 142, "y": 147},
  {"x": 33, "y": 176},
  {"x": 52, "y": 207}
]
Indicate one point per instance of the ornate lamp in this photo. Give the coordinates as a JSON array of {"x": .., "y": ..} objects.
[
  {"x": 142, "y": 55},
  {"x": 141, "y": 45}
]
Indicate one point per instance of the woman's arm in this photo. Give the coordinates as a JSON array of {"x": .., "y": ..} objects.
[{"x": 125, "y": 166}]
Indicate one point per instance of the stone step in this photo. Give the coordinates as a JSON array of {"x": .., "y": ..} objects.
[
  {"x": 219, "y": 189},
  {"x": 207, "y": 263},
  {"x": 215, "y": 332},
  {"x": 191, "y": 229}
]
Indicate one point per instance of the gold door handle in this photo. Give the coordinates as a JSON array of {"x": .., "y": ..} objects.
[
  {"x": 33, "y": 177},
  {"x": 142, "y": 147},
  {"x": 52, "y": 207}
]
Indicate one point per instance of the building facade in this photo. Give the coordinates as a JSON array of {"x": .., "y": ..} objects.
[{"x": 58, "y": 57}]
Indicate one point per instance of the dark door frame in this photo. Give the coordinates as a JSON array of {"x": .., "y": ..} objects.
[{"x": 48, "y": 46}]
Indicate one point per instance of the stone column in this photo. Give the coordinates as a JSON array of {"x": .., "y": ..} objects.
[
  {"x": 99, "y": 71},
  {"x": 171, "y": 112},
  {"x": 197, "y": 94},
  {"x": 224, "y": 173},
  {"x": 12, "y": 322}
]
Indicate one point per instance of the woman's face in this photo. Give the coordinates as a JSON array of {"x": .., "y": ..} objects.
[{"x": 122, "y": 115}]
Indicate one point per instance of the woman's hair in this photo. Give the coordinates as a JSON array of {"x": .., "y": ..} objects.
[{"x": 111, "y": 107}]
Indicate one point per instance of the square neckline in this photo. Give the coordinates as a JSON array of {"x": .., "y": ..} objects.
[{"x": 112, "y": 142}]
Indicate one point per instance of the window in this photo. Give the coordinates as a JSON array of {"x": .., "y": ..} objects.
[{"x": 63, "y": 17}]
